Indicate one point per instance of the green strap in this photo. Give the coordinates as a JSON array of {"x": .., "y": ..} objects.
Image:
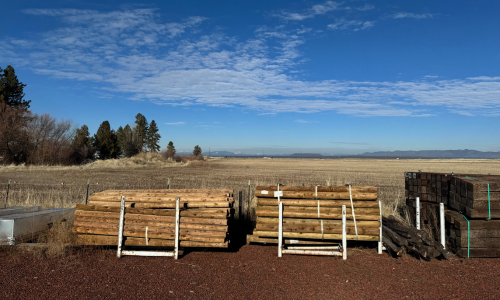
[
  {"x": 468, "y": 234},
  {"x": 489, "y": 201}
]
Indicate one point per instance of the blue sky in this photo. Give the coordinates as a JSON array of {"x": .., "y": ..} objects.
[{"x": 275, "y": 76}]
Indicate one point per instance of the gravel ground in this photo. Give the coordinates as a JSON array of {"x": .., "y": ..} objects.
[{"x": 253, "y": 272}]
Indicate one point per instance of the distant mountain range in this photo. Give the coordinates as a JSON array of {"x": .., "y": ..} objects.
[
  {"x": 379, "y": 154},
  {"x": 434, "y": 154}
]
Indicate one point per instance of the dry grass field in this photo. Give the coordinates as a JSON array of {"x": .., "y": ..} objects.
[{"x": 67, "y": 186}]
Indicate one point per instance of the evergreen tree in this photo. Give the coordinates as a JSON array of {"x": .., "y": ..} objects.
[
  {"x": 106, "y": 141},
  {"x": 15, "y": 142},
  {"x": 11, "y": 90},
  {"x": 81, "y": 145},
  {"x": 170, "y": 149},
  {"x": 142, "y": 131},
  {"x": 120, "y": 133},
  {"x": 197, "y": 150},
  {"x": 153, "y": 137},
  {"x": 130, "y": 144},
  {"x": 82, "y": 138}
]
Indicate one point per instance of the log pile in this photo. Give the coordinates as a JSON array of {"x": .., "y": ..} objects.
[
  {"x": 467, "y": 197},
  {"x": 150, "y": 218},
  {"x": 399, "y": 238},
  {"x": 313, "y": 215}
]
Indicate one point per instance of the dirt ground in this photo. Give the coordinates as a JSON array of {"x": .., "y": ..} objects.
[{"x": 253, "y": 272}]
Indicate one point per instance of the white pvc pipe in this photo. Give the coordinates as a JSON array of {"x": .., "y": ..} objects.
[
  {"x": 417, "y": 221},
  {"x": 380, "y": 240},
  {"x": 441, "y": 223},
  {"x": 344, "y": 234},
  {"x": 280, "y": 230},
  {"x": 176, "y": 244},
  {"x": 120, "y": 227}
]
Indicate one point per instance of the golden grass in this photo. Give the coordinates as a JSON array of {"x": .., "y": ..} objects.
[{"x": 67, "y": 186}]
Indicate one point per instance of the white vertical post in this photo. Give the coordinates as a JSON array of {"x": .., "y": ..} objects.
[
  {"x": 441, "y": 223},
  {"x": 344, "y": 234},
  {"x": 280, "y": 229},
  {"x": 380, "y": 240},
  {"x": 176, "y": 245},
  {"x": 417, "y": 221},
  {"x": 120, "y": 227}
]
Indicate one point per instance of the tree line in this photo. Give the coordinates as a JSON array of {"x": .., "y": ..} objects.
[{"x": 27, "y": 137}]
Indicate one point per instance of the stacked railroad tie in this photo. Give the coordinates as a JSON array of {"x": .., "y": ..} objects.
[
  {"x": 313, "y": 215},
  {"x": 472, "y": 216},
  {"x": 205, "y": 216}
]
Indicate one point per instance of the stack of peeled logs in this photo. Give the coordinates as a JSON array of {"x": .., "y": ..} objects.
[
  {"x": 313, "y": 214},
  {"x": 150, "y": 218}
]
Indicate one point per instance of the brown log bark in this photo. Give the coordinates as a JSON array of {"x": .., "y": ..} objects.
[
  {"x": 322, "y": 195},
  {"x": 131, "y": 241},
  {"x": 331, "y": 189}
]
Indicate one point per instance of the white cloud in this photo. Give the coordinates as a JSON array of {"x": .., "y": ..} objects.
[
  {"x": 132, "y": 52},
  {"x": 402, "y": 15},
  {"x": 175, "y": 123},
  {"x": 355, "y": 25},
  {"x": 319, "y": 9}
]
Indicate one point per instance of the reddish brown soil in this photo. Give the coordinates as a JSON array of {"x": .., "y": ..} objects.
[{"x": 254, "y": 272}]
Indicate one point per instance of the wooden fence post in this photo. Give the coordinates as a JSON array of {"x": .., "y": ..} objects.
[
  {"x": 7, "y": 197},
  {"x": 249, "y": 220},
  {"x": 87, "y": 198},
  {"x": 240, "y": 206}
]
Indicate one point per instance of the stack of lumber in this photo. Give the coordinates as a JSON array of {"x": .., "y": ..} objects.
[
  {"x": 482, "y": 240},
  {"x": 313, "y": 215},
  {"x": 430, "y": 187},
  {"x": 472, "y": 197},
  {"x": 399, "y": 238},
  {"x": 204, "y": 218}
]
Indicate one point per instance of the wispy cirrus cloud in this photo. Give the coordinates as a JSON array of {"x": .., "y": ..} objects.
[
  {"x": 318, "y": 9},
  {"x": 403, "y": 15},
  {"x": 354, "y": 25},
  {"x": 175, "y": 123},
  {"x": 134, "y": 53}
]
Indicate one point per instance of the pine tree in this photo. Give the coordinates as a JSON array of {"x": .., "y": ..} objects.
[
  {"x": 11, "y": 90},
  {"x": 142, "y": 131},
  {"x": 106, "y": 141},
  {"x": 120, "y": 133},
  {"x": 197, "y": 150},
  {"x": 130, "y": 145},
  {"x": 153, "y": 137},
  {"x": 170, "y": 149},
  {"x": 14, "y": 118}
]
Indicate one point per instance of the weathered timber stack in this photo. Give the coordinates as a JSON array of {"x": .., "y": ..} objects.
[
  {"x": 313, "y": 215},
  {"x": 400, "y": 238},
  {"x": 473, "y": 198},
  {"x": 149, "y": 219}
]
